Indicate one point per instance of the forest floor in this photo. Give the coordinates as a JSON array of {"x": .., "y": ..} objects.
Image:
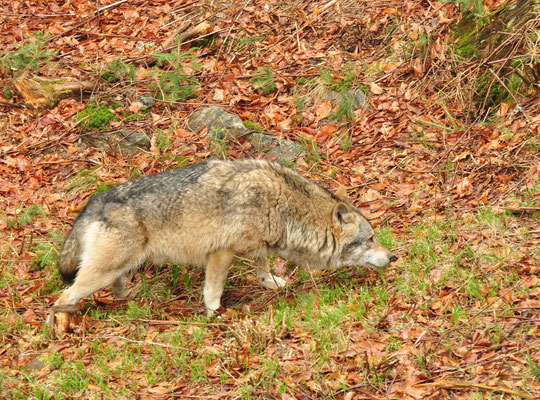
[{"x": 450, "y": 182}]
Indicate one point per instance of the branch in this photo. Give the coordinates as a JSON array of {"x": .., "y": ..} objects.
[{"x": 467, "y": 385}]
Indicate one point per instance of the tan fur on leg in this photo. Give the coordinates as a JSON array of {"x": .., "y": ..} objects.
[{"x": 216, "y": 275}]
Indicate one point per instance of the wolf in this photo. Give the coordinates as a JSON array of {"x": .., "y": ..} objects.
[{"x": 208, "y": 214}]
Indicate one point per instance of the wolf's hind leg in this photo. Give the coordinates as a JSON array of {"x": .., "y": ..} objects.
[
  {"x": 268, "y": 280},
  {"x": 216, "y": 275},
  {"x": 107, "y": 256},
  {"x": 89, "y": 280}
]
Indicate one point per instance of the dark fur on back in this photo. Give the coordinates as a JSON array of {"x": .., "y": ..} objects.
[{"x": 166, "y": 182}]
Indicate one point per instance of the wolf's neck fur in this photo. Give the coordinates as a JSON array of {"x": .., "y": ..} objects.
[{"x": 307, "y": 238}]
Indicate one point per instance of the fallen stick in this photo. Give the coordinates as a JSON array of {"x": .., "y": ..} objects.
[
  {"x": 97, "y": 14},
  {"x": 521, "y": 210},
  {"x": 467, "y": 385},
  {"x": 170, "y": 44},
  {"x": 172, "y": 37}
]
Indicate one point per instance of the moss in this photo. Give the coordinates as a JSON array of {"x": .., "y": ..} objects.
[{"x": 96, "y": 115}]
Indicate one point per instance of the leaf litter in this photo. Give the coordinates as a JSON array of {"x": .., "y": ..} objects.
[{"x": 456, "y": 317}]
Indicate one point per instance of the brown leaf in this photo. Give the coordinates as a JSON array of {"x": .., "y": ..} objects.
[
  {"x": 464, "y": 186},
  {"x": 374, "y": 88},
  {"x": 29, "y": 316},
  {"x": 136, "y": 106},
  {"x": 162, "y": 388},
  {"x": 390, "y": 67},
  {"x": 323, "y": 110},
  {"x": 219, "y": 95}
]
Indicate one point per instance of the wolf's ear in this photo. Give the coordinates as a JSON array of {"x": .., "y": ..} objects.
[
  {"x": 341, "y": 193},
  {"x": 341, "y": 215}
]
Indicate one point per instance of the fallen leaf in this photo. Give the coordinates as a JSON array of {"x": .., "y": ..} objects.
[
  {"x": 219, "y": 95},
  {"x": 136, "y": 106},
  {"x": 374, "y": 88},
  {"x": 323, "y": 110}
]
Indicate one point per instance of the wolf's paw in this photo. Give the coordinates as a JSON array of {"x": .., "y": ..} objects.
[
  {"x": 215, "y": 313},
  {"x": 273, "y": 282}
]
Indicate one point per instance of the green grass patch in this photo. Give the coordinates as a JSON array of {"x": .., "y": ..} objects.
[
  {"x": 171, "y": 80},
  {"x": 29, "y": 56},
  {"x": 118, "y": 71},
  {"x": 46, "y": 252},
  {"x": 264, "y": 80},
  {"x": 96, "y": 115},
  {"x": 252, "y": 126},
  {"x": 323, "y": 333}
]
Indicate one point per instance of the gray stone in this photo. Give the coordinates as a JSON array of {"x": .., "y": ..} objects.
[
  {"x": 358, "y": 96},
  {"x": 332, "y": 96},
  {"x": 360, "y": 100},
  {"x": 261, "y": 142},
  {"x": 282, "y": 149},
  {"x": 218, "y": 122},
  {"x": 125, "y": 142},
  {"x": 146, "y": 100},
  {"x": 285, "y": 151},
  {"x": 39, "y": 365}
]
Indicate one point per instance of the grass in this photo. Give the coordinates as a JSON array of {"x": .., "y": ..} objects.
[
  {"x": 338, "y": 87},
  {"x": 460, "y": 303},
  {"x": 322, "y": 334},
  {"x": 29, "y": 56},
  {"x": 172, "y": 80},
  {"x": 247, "y": 44},
  {"x": 118, "y": 71},
  {"x": 264, "y": 80},
  {"x": 218, "y": 143},
  {"x": 46, "y": 252},
  {"x": 26, "y": 215},
  {"x": 252, "y": 126}
]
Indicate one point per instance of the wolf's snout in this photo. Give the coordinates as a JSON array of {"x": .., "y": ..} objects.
[{"x": 393, "y": 258}]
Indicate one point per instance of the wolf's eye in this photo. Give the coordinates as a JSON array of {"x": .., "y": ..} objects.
[{"x": 371, "y": 238}]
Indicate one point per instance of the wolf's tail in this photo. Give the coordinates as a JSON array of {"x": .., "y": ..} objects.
[{"x": 70, "y": 255}]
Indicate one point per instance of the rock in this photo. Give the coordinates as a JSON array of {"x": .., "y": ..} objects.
[
  {"x": 125, "y": 142},
  {"x": 285, "y": 151},
  {"x": 221, "y": 123},
  {"x": 146, "y": 100},
  {"x": 39, "y": 365},
  {"x": 218, "y": 122},
  {"x": 261, "y": 142},
  {"x": 282, "y": 149},
  {"x": 360, "y": 100},
  {"x": 332, "y": 96}
]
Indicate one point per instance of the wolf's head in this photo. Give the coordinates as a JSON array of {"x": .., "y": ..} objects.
[{"x": 358, "y": 245}]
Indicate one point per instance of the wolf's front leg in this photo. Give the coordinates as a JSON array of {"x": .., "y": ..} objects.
[
  {"x": 216, "y": 275},
  {"x": 268, "y": 280}
]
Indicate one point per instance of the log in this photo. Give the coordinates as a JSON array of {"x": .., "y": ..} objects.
[{"x": 39, "y": 92}]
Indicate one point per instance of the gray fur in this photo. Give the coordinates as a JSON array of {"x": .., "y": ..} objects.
[{"x": 207, "y": 214}]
